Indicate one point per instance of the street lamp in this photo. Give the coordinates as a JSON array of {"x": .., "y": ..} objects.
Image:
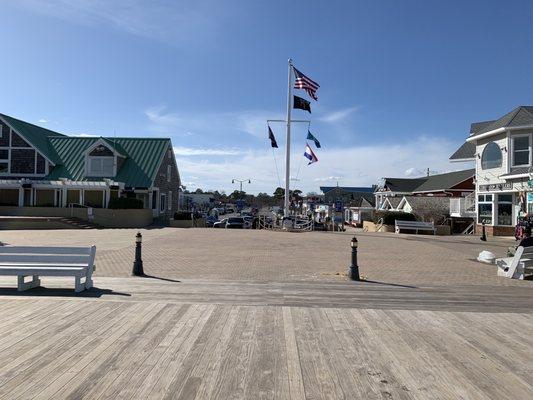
[
  {"x": 241, "y": 181},
  {"x": 354, "y": 268},
  {"x": 138, "y": 263}
]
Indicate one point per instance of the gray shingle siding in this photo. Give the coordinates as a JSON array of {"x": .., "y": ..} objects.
[{"x": 161, "y": 182}]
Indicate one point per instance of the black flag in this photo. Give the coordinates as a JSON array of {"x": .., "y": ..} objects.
[
  {"x": 273, "y": 142},
  {"x": 302, "y": 104}
]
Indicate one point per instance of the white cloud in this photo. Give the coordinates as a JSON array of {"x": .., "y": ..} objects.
[
  {"x": 42, "y": 121},
  {"x": 356, "y": 166},
  {"x": 252, "y": 122},
  {"x": 190, "y": 151},
  {"x": 327, "y": 179},
  {"x": 168, "y": 21},
  {"x": 339, "y": 115},
  {"x": 83, "y": 135}
]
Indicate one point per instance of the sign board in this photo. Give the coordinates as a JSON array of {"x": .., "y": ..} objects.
[
  {"x": 338, "y": 206},
  {"x": 530, "y": 183},
  {"x": 530, "y": 197},
  {"x": 240, "y": 204},
  {"x": 497, "y": 186}
]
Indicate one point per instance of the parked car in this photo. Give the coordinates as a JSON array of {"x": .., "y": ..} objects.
[
  {"x": 230, "y": 210},
  {"x": 211, "y": 220},
  {"x": 221, "y": 223},
  {"x": 235, "y": 223},
  {"x": 248, "y": 222}
]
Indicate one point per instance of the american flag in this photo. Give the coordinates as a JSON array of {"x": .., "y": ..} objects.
[{"x": 306, "y": 83}]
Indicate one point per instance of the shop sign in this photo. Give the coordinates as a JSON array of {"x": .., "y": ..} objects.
[
  {"x": 530, "y": 183},
  {"x": 497, "y": 186},
  {"x": 530, "y": 197}
]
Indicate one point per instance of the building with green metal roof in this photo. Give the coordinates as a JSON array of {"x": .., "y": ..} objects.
[{"x": 40, "y": 167}]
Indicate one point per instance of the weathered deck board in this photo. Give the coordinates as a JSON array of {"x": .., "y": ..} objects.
[{"x": 116, "y": 347}]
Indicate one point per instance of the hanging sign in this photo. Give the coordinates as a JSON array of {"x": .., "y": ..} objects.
[{"x": 530, "y": 183}]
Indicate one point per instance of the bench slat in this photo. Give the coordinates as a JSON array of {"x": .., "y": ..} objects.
[
  {"x": 45, "y": 258},
  {"x": 44, "y": 250}
]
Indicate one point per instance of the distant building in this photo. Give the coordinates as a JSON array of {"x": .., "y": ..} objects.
[
  {"x": 40, "y": 167},
  {"x": 348, "y": 195},
  {"x": 430, "y": 209},
  {"x": 451, "y": 184},
  {"x": 197, "y": 200},
  {"x": 502, "y": 151}
]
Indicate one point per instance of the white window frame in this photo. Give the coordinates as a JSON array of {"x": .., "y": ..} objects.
[
  {"x": 485, "y": 201},
  {"x": 162, "y": 202},
  {"x": 513, "y": 137},
  {"x": 497, "y": 202},
  {"x": 91, "y": 159}
]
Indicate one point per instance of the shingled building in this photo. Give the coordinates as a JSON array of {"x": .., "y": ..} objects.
[{"x": 40, "y": 167}]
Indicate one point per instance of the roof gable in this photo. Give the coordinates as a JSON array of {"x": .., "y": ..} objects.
[
  {"x": 520, "y": 116},
  {"x": 142, "y": 158},
  {"x": 36, "y": 136}
]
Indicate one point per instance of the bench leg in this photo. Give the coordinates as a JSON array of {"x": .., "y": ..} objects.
[
  {"x": 78, "y": 286},
  {"x": 89, "y": 278},
  {"x": 22, "y": 285}
]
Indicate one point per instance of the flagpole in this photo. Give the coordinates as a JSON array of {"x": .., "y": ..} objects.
[{"x": 288, "y": 149}]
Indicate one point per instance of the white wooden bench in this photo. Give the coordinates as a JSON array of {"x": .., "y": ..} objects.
[
  {"x": 518, "y": 266},
  {"x": 24, "y": 261},
  {"x": 413, "y": 226}
]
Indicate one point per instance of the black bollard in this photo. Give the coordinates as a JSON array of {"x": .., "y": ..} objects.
[
  {"x": 483, "y": 233},
  {"x": 138, "y": 263},
  {"x": 354, "y": 268}
]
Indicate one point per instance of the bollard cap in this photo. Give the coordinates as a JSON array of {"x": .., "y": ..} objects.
[
  {"x": 138, "y": 237},
  {"x": 354, "y": 242}
]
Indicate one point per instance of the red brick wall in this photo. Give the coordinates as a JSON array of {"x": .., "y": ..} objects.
[{"x": 495, "y": 230}]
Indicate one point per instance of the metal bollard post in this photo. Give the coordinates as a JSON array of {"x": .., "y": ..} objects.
[
  {"x": 138, "y": 263},
  {"x": 354, "y": 268},
  {"x": 483, "y": 233}
]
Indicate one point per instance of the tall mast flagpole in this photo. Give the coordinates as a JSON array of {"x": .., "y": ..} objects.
[{"x": 288, "y": 149}]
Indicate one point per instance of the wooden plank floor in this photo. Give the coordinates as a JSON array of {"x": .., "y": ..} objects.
[
  {"x": 75, "y": 348},
  {"x": 367, "y": 295}
]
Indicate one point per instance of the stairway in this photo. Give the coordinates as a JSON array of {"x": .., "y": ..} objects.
[{"x": 78, "y": 223}]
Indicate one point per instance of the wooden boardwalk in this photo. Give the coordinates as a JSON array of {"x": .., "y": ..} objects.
[{"x": 144, "y": 339}]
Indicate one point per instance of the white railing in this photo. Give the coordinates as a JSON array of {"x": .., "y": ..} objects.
[{"x": 463, "y": 206}]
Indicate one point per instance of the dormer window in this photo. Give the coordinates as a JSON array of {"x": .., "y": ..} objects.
[
  {"x": 100, "y": 162},
  {"x": 101, "y": 166}
]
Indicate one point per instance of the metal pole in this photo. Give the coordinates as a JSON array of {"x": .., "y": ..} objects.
[
  {"x": 483, "y": 233},
  {"x": 288, "y": 150}
]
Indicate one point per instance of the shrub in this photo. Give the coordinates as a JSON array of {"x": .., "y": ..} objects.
[
  {"x": 125, "y": 203},
  {"x": 390, "y": 216},
  {"x": 182, "y": 216}
]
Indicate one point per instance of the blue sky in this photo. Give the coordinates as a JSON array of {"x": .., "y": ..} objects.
[{"x": 400, "y": 81}]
